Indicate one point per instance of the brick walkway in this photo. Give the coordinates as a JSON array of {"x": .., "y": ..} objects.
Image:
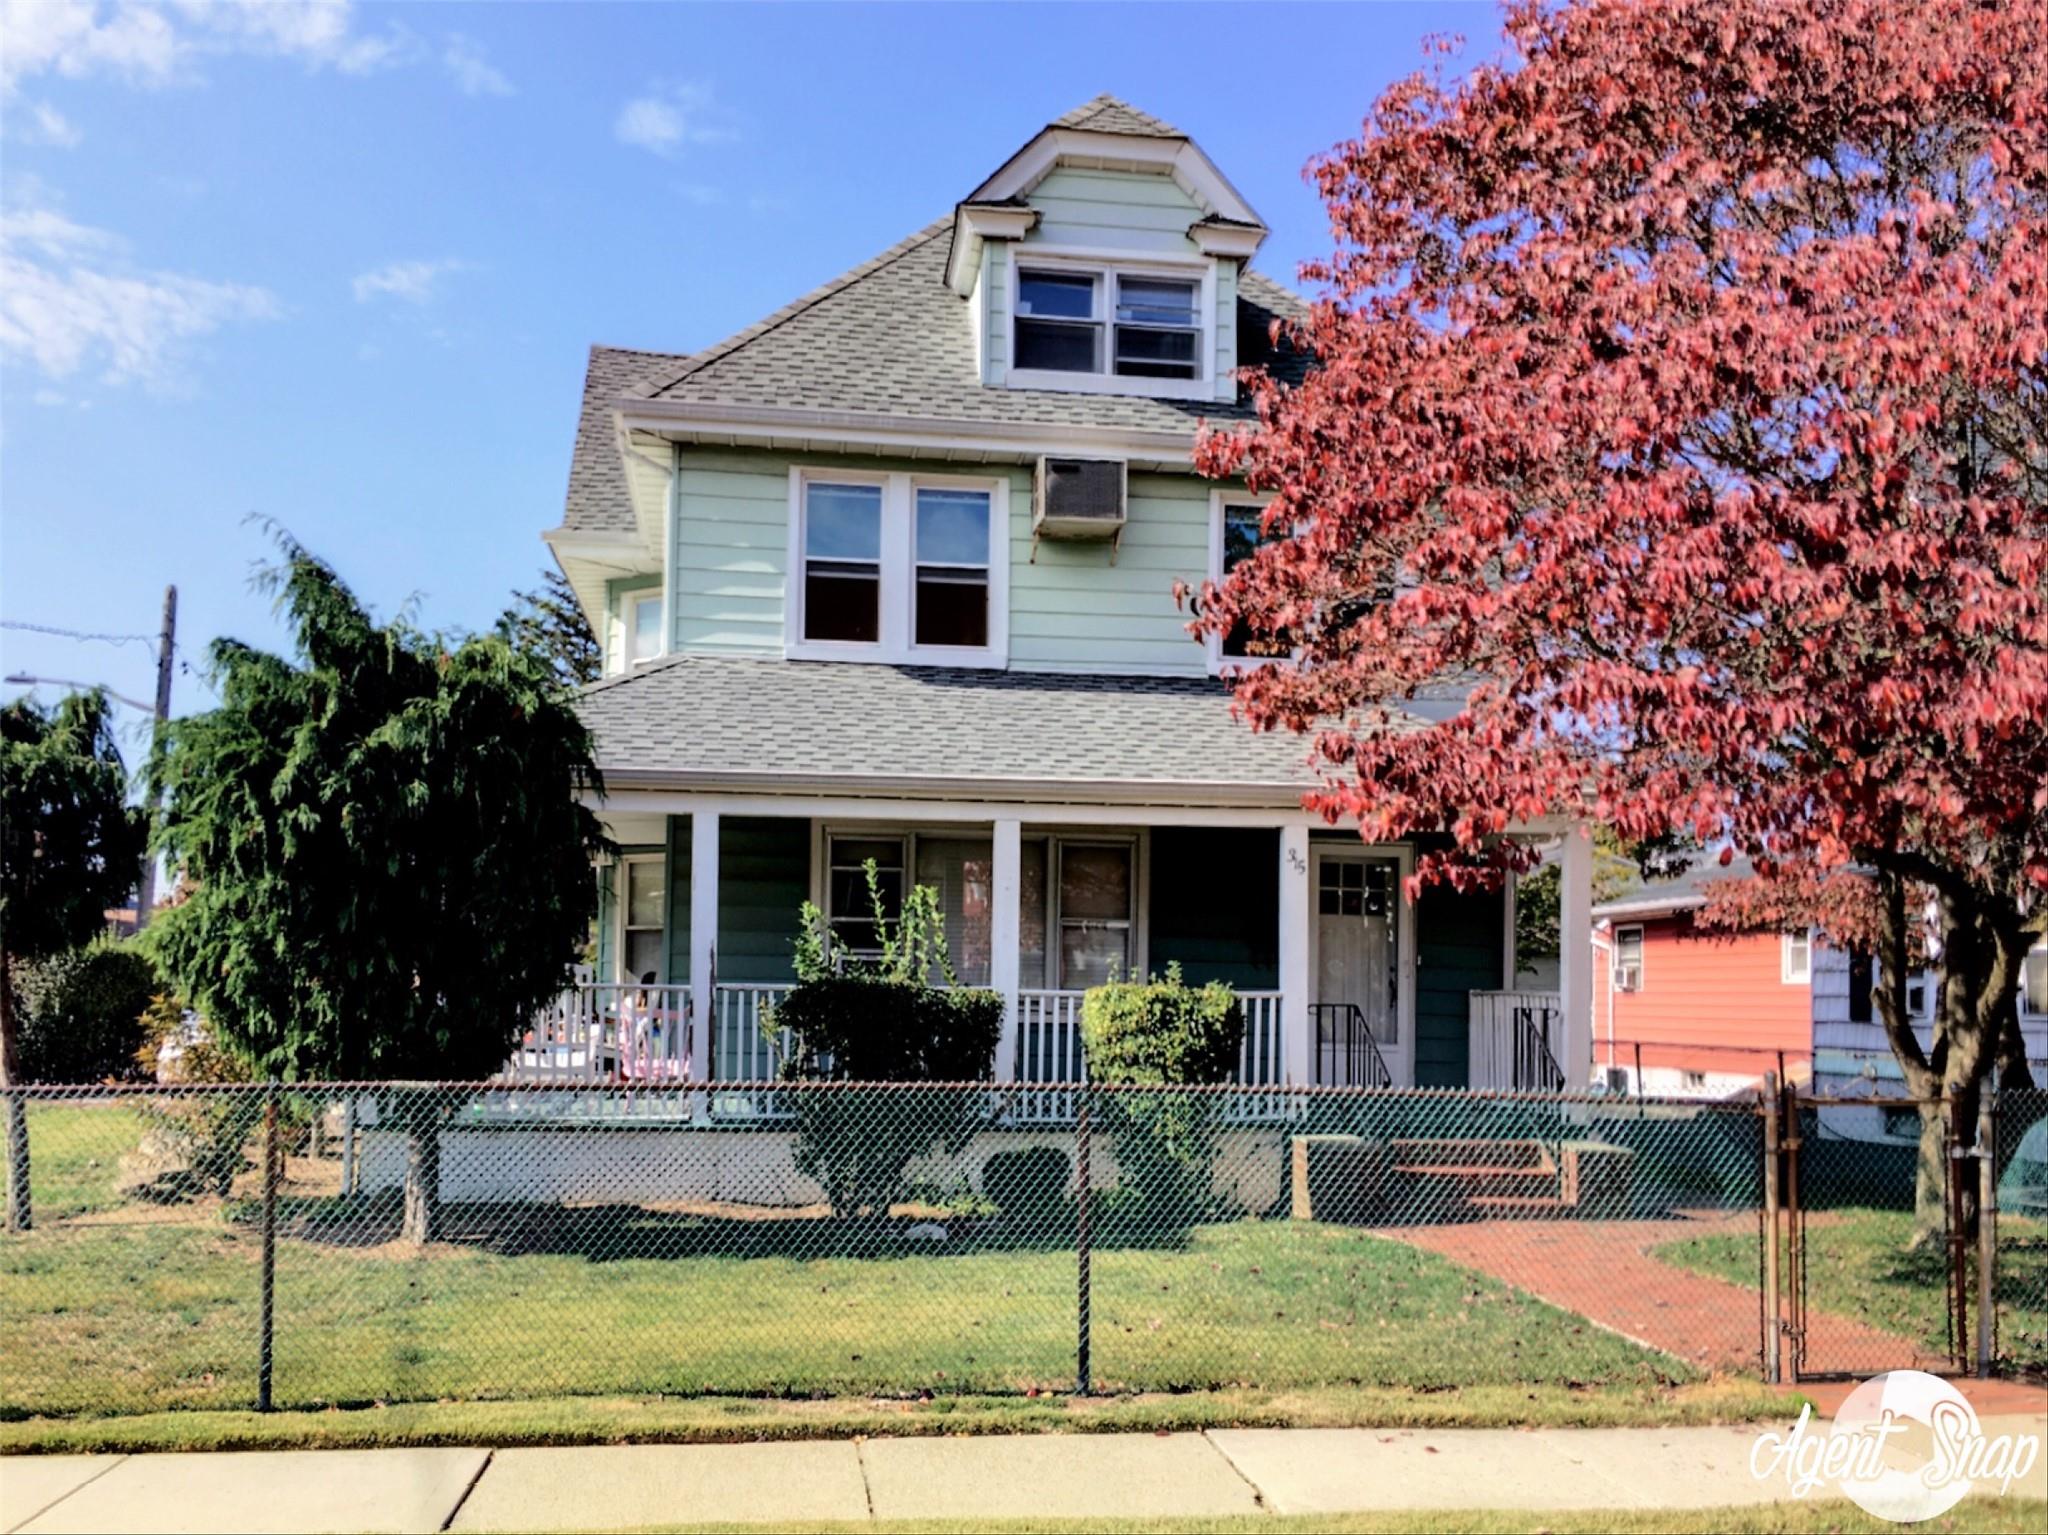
[{"x": 1603, "y": 1270}]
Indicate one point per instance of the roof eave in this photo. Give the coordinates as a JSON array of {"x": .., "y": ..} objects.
[{"x": 959, "y": 787}]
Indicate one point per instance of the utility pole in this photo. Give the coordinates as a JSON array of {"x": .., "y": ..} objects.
[{"x": 166, "y": 647}]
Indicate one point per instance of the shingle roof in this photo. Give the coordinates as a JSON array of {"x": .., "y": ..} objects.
[
  {"x": 1678, "y": 892},
  {"x": 837, "y": 719},
  {"x": 890, "y": 337},
  {"x": 1109, "y": 114},
  {"x": 597, "y": 501}
]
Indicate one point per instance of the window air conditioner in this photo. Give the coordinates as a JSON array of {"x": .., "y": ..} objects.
[{"x": 1078, "y": 499}]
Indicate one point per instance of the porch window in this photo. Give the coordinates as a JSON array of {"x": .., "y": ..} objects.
[
  {"x": 1031, "y": 913},
  {"x": 842, "y": 562},
  {"x": 951, "y": 557},
  {"x": 644, "y": 904},
  {"x": 1095, "y": 913},
  {"x": 848, "y": 908},
  {"x": 961, "y": 870},
  {"x": 1628, "y": 959}
]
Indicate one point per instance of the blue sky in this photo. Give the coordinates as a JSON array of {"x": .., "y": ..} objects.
[{"x": 339, "y": 265}]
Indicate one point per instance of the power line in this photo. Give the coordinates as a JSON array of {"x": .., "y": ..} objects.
[{"x": 79, "y": 634}]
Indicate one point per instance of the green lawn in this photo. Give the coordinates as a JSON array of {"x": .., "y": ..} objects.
[
  {"x": 111, "y": 1307},
  {"x": 1859, "y": 1266}
]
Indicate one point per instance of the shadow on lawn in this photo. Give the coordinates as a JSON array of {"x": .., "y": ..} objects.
[{"x": 604, "y": 1233}]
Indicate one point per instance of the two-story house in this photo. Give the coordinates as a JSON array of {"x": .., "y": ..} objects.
[{"x": 889, "y": 575}]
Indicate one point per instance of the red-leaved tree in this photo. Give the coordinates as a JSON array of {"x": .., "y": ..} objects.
[{"x": 1679, "y": 405}]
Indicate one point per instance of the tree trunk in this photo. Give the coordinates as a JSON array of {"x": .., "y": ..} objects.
[
  {"x": 20, "y": 1205},
  {"x": 423, "y": 1180}
]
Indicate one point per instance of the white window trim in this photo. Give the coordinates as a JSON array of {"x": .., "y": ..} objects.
[
  {"x": 629, "y": 623},
  {"x": 899, "y": 573},
  {"x": 2030, "y": 1014},
  {"x": 622, "y": 898},
  {"x": 1788, "y": 972},
  {"x": 1642, "y": 959},
  {"x": 1105, "y": 267}
]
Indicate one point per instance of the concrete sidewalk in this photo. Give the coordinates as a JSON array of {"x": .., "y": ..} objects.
[{"x": 794, "y": 1485}]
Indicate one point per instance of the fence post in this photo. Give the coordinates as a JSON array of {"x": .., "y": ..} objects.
[
  {"x": 1987, "y": 1235},
  {"x": 266, "y": 1314},
  {"x": 1083, "y": 1218},
  {"x": 1768, "y": 1106},
  {"x": 1789, "y": 1142}
]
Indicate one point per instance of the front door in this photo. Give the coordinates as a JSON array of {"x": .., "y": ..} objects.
[{"x": 1357, "y": 1010}]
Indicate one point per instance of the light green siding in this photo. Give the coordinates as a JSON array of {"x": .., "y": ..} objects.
[
  {"x": 731, "y": 543},
  {"x": 1226, "y": 330},
  {"x": 1073, "y": 610},
  {"x": 995, "y": 289},
  {"x": 764, "y": 876},
  {"x": 1216, "y": 905},
  {"x": 1117, "y": 210}
]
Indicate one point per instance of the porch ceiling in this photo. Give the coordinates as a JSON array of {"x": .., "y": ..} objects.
[{"x": 699, "y": 719}]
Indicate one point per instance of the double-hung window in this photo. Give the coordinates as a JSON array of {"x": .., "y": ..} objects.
[
  {"x": 642, "y": 933},
  {"x": 1096, "y": 911},
  {"x": 1795, "y": 961},
  {"x": 960, "y": 870},
  {"x": 635, "y": 629},
  {"x": 1628, "y": 959},
  {"x": 2034, "y": 982},
  {"x": 842, "y": 562},
  {"x": 1108, "y": 324},
  {"x": 898, "y": 568}
]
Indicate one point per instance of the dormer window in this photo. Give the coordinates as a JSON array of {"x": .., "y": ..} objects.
[{"x": 1083, "y": 327}]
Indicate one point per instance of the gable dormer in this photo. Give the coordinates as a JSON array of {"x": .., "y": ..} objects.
[{"x": 1103, "y": 257}]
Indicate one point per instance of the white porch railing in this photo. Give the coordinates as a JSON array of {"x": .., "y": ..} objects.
[
  {"x": 1514, "y": 1041},
  {"x": 607, "y": 1033},
  {"x": 742, "y": 1052},
  {"x": 1049, "y": 1047}
]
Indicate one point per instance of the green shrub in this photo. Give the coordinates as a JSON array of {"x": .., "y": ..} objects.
[
  {"x": 1162, "y": 1033},
  {"x": 1028, "y": 1187},
  {"x": 81, "y": 1012},
  {"x": 195, "y": 1146},
  {"x": 881, "y": 1019}
]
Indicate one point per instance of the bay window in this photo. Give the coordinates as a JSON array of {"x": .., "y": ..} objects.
[{"x": 898, "y": 568}]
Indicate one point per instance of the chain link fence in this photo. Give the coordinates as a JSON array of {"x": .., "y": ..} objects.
[
  {"x": 2020, "y": 1226},
  {"x": 299, "y": 1246}
]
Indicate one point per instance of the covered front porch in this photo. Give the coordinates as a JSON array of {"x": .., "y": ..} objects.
[{"x": 1345, "y": 978}]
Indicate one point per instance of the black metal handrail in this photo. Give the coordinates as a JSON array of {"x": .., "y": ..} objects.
[
  {"x": 1535, "y": 1064},
  {"x": 1360, "y": 1064}
]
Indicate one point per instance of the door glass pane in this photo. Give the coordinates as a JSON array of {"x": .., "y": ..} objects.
[
  {"x": 962, "y": 872},
  {"x": 643, "y": 894}
]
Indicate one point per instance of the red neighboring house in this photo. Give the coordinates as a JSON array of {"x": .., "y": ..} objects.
[{"x": 1681, "y": 1010}]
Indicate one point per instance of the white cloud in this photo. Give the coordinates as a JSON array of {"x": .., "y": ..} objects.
[
  {"x": 148, "y": 43},
  {"x": 69, "y": 300},
  {"x": 44, "y": 124},
  {"x": 473, "y": 74},
  {"x": 670, "y": 116},
  {"x": 49, "y": 397},
  {"x": 412, "y": 281}
]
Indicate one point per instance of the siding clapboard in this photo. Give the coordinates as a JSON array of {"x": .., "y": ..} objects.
[
  {"x": 1721, "y": 993},
  {"x": 1116, "y": 210},
  {"x": 1234, "y": 939},
  {"x": 764, "y": 877},
  {"x": 1459, "y": 948}
]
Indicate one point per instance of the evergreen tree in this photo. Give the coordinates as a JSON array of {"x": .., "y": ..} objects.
[{"x": 550, "y": 623}]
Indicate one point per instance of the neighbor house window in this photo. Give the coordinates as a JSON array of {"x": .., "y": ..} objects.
[
  {"x": 644, "y": 902},
  {"x": 1864, "y": 979},
  {"x": 842, "y": 562},
  {"x": 898, "y": 567},
  {"x": 1628, "y": 959},
  {"x": 1107, "y": 323},
  {"x": 1795, "y": 964},
  {"x": 1095, "y": 913},
  {"x": 951, "y": 558},
  {"x": 2034, "y": 983}
]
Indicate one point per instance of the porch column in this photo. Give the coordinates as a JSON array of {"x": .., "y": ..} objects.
[
  {"x": 1575, "y": 959},
  {"x": 703, "y": 939},
  {"x": 1005, "y": 933},
  {"x": 1296, "y": 992}
]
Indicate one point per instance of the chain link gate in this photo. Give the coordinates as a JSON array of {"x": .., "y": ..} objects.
[{"x": 1858, "y": 1283}]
